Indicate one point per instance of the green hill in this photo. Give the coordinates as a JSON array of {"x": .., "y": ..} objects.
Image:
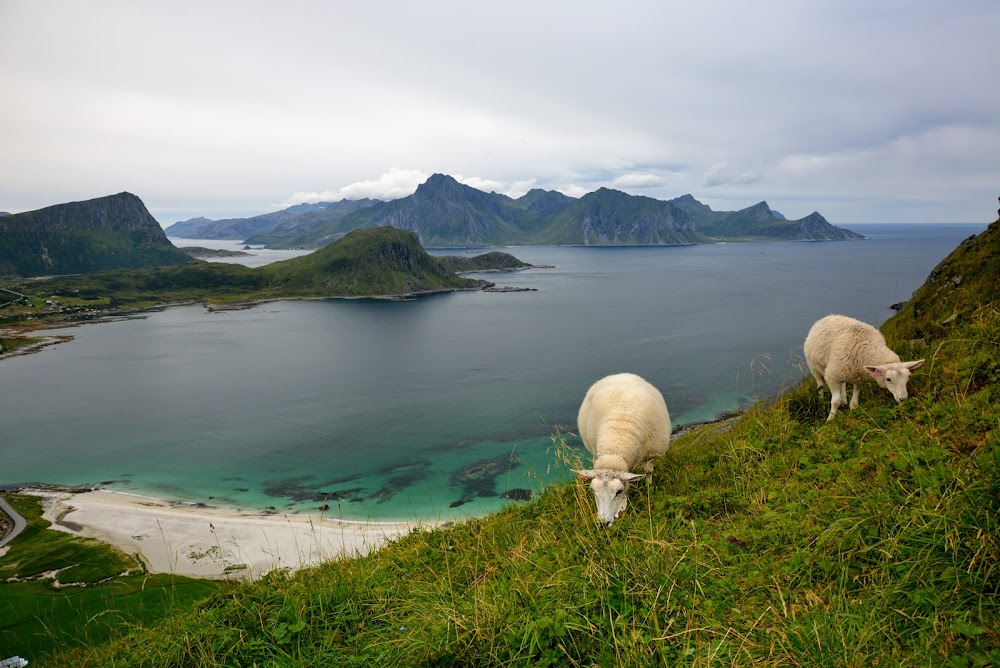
[
  {"x": 380, "y": 262},
  {"x": 114, "y": 232},
  {"x": 773, "y": 539}
]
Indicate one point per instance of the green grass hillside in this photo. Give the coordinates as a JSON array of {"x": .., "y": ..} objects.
[
  {"x": 378, "y": 261},
  {"x": 382, "y": 262},
  {"x": 60, "y": 591},
  {"x": 773, "y": 539},
  {"x": 954, "y": 291}
]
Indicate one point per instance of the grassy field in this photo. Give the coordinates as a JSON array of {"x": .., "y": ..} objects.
[
  {"x": 58, "y": 591},
  {"x": 775, "y": 539}
]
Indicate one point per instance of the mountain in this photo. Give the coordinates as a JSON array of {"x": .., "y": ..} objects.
[
  {"x": 442, "y": 212},
  {"x": 113, "y": 232},
  {"x": 238, "y": 228},
  {"x": 608, "y": 217},
  {"x": 445, "y": 213},
  {"x": 187, "y": 229},
  {"x": 307, "y": 221},
  {"x": 760, "y": 222}
]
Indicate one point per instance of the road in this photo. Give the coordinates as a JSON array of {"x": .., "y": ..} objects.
[{"x": 19, "y": 522}]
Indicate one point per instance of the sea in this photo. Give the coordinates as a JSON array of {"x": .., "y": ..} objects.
[{"x": 443, "y": 407}]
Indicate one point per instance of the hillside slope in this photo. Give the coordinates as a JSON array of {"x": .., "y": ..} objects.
[
  {"x": 954, "y": 291},
  {"x": 113, "y": 232},
  {"x": 772, "y": 539},
  {"x": 381, "y": 262}
]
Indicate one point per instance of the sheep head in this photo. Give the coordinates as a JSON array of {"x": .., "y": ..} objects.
[
  {"x": 894, "y": 376},
  {"x": 610, "y": 491}
]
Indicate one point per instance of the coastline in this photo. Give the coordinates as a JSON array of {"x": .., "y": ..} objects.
[{"x": 211, "y": 542}]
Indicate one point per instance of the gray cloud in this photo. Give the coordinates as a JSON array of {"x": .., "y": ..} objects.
[{"x": 860, "y": 110}]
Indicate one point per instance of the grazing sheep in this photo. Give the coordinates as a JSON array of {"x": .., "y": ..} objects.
[
  {"x": 624, "y": 422},
  {"x": 841, "y": 350}
]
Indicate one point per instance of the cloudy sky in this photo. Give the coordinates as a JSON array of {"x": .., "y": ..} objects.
[{"x": 865, "y": 111}]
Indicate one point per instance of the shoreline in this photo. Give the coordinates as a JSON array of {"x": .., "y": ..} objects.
[{"x": 210, "y": 542}]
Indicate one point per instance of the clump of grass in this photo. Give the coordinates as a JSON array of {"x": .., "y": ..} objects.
[
  {"x": 773, "y": 539},
  {"x": 58, "y": 591}
]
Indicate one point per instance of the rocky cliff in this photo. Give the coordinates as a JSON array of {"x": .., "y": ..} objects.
[{"x": 113, "y": 232}]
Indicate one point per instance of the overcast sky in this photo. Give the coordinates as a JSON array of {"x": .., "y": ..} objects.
[{"x": 866, "y": 111}]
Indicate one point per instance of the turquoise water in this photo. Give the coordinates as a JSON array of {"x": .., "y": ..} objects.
[{"x": 432, "y": 408}]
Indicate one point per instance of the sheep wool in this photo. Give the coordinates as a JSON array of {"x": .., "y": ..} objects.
[
  {"x": 841, "y": 350},
  {"x": 623, "y": 422}
]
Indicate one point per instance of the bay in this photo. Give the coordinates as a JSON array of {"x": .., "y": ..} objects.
[{"x": 432, "y": 408}]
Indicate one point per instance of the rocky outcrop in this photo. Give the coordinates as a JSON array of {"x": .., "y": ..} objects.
[
  {"x": 113, "y": 232},
  {"x": 815, "y": 227}
]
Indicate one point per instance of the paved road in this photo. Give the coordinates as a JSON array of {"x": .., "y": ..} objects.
[{"x": 19, "y": 522}]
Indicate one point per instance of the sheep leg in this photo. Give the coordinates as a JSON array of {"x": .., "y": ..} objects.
[
  {"x": 819, "y": 379},
  {"x": 648, "y": 467},
  {"x": 854, "y": 398},
  {"x": 837, "y": 392}
]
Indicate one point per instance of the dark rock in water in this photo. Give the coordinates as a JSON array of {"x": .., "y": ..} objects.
[
  {"x": 325, "y": 506},
  {"x": 395, "y": 485},
  {"x": 242, "y": 489},
  {"x": 479, "y": 478},
  {"x": 301, "y": 488},
  {"x": 456, "y": 504},
  {"x": 898, "y": 306},
  {"x": 517, "y": 494},
  {"x": 343, "y": 494},
  {"x": 508, "y": 288}
]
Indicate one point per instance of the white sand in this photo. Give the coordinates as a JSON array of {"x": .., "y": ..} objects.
[{"x": 209, "y": 542}]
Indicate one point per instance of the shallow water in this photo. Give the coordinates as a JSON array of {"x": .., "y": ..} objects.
[{"x": 432, "y": 408}]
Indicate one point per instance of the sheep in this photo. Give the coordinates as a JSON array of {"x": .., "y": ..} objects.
[
  {"x": 841, "y": 350},
  {"x": 624, "y": 422}
]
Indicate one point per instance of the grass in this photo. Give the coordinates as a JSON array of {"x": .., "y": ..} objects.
[
  {"x": 774, "y": 539},
  {"x": 58, "y": 591},
  {"x": 9, "y": 345}
]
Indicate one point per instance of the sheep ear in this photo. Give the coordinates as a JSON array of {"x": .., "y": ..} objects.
[
  {"x": 912, "y": 366},
  {"x": 585, "y": 475},
  {"x": 628, "y": 477},
  {"x": 874, "y": 371}
]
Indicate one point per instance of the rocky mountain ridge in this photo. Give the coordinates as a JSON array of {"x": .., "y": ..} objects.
[{"x": 445, "y": 213}]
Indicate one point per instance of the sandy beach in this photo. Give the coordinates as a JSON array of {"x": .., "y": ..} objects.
[{"x": 210, "y": 542}]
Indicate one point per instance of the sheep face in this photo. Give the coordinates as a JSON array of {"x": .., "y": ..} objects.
[
  {"x": 894, "y": 377},
  {"x": 610, "y": 491}
]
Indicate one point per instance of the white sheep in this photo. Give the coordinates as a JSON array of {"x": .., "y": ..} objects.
[
  {"x": 841, "y": 350},
  {"x": 624, "y": 422}
]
